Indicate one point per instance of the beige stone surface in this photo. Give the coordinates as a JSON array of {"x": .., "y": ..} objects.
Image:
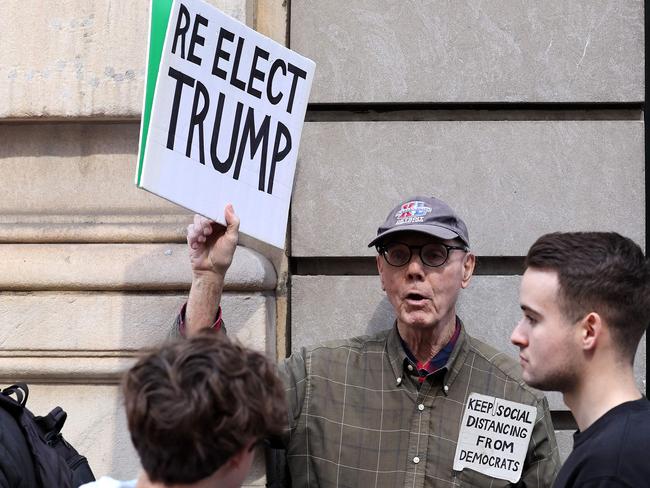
[
  {"x": 93, "y": 229},
  {"x": 65, "y": 368},
  {"x": 119, "y": 267},
  {"x": 101, "y": 324},
  {"x": 78, "y": 58},
  {"x": 376, "y": 51},
  {"x": 73, "y": 170},
  {"x": 335, "y": 307},
  {"x": 271, "y": 19},
  {"x": 511, "y": 181},
  {"x": 96, "y": 426}
]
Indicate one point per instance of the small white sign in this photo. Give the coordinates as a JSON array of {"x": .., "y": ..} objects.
[
  {"x": 494, "y": 437},
  {"x": 223, "y": 114}
]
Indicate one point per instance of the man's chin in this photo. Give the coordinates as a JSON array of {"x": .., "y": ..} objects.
[
  {"x": 412, "y": 322},
  {"x": 537, "y": 383}
]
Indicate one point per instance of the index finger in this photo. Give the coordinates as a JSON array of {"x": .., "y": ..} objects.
[{"x": 203, "y": 225}]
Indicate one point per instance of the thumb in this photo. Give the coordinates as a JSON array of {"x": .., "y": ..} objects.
[{"x": 232, "y": 221}]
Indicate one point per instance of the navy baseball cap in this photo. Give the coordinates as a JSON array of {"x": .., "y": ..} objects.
[{"x": 428, "y": 215}]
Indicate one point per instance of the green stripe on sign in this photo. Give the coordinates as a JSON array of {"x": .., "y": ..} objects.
[{"x": 160, "y": 12}]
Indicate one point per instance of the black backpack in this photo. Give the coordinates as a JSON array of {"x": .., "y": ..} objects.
[{"x": 57, "y": 463}]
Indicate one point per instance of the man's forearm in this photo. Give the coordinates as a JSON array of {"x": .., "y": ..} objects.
[{"x": 203, "y": 302}]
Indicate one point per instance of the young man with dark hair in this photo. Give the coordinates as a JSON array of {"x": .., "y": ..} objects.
[
  {"x": 196, "y": 409},
  {"x": 585, "y": 298}
]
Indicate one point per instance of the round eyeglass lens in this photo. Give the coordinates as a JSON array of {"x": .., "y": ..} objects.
[
  {"x": 433, "y": 254},
  {"x": 398, "y": 254}
]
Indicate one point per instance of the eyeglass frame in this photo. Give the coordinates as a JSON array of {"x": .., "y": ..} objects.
[{"x": 383, "y": 248}]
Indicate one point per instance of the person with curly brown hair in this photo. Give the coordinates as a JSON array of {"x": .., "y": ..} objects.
[{"x": 196, "y": 409}]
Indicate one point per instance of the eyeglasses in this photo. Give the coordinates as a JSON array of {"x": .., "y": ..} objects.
[{"x": 434, "y": 254}]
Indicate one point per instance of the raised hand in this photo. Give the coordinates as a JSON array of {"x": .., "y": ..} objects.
[
  {"x": 211, "y": 245},
  {"x": 211, "y": 249}
]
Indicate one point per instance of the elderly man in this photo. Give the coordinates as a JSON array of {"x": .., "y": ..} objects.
[
  {"x": 399, "y": 408},
  {"x": 585, "y": 298}
]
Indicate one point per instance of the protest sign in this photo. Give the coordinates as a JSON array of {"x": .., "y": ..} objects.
[
  {"x": 223, "y": 114},
  {"x": 494, "y": 437}
]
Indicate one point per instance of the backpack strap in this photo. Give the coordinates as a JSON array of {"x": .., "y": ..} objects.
[
  {"x": 20, "y": 390},
  {"x": 52, "y": 423},
  {"x": 15, "y": 406}
]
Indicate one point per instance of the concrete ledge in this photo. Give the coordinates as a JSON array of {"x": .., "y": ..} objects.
[
  {"x": 68, "y": 370},
  {"x": 119, "y": 267},
  {"x": 375, "y": 51},
  {"x": 95, "y": 231},
  {"x": 511, "y": 181},
  {"x": 106, "y": 324}
]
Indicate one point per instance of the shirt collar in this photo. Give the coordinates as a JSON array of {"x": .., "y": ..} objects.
[
  {"x": 434, "y": 364},
  {"x": 399, "y": 357}
]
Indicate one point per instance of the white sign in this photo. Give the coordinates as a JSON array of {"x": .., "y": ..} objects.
[
  {"x": 223, "y": 119},
  {"x": 494, "y": 437}
]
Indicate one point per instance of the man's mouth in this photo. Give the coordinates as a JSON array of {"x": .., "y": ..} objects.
[{"x": 415, "y": 298}]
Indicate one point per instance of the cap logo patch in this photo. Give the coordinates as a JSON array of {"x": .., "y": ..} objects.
[{"x": 411, "y": 212}]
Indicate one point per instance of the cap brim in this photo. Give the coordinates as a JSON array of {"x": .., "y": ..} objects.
[{"x": 432, "y": 230}]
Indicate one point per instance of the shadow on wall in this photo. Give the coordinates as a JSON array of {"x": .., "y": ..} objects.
[{"x": 382, "y": 318}]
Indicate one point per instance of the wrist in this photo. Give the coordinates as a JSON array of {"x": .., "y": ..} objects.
[{"x": 208, "y": 277}]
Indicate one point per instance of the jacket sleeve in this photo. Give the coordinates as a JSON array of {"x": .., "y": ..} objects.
[
  {"x": 178, "y": 328},
  {"x": 293, "y": 372}
]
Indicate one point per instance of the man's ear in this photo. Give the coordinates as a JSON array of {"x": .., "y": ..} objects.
[
  {"x": 591, "y": 330},
  {"x": 469, "y": 262}
]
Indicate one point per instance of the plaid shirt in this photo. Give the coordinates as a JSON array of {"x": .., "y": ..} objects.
[{"x": 358, "y": 419}]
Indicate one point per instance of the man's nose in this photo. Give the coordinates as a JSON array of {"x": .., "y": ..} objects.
[
  {"x": 415, "y": 267},
  {"x": 517, "y": 337}
]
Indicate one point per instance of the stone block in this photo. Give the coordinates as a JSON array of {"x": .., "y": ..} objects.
[
  {"x": 436, "y": 51},
  {"x": 511, "y": 181},
  {"x": 86, "y": 323},
  {"x": 76, "y": 58},
  {"x": 271, "y": 20},
  {"x": 25, "y": 267},
  {"x": 73, "y": 169},
  {"x": 335, "y": 307},
  {"x": 96, "y": 426},
  {"x": 75, "y": 183}
]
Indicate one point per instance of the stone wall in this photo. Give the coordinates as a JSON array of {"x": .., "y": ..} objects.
[{"x": 93, "y": 270}]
